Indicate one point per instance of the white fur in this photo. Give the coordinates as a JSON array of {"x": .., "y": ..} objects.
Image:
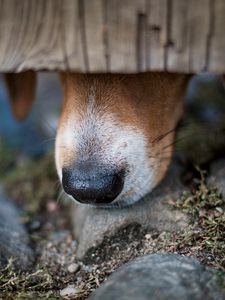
[{"x": 98, "y": 133}]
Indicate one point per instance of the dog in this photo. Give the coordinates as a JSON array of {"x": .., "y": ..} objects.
[{"x": 116, "y": 132}]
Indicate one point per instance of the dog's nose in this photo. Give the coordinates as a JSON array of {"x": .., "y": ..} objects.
[{"x": 91, "y": 185}]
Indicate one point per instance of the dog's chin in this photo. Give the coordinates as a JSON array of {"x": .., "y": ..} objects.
[{"x": 120, "y": 202}]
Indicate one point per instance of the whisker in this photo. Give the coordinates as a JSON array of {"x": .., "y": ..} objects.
[
  {"x": 184, "y": 124},
  {"x": 47, "y": 140},
  {"x": 59, "y": 198},
  {"x": 176, "y": 141},
  {"x": 185, "y": 137},
  {"x": 57, "y": 184},
  {"x": 162, "y": 136},
  {"x": 52, "y": 129}
]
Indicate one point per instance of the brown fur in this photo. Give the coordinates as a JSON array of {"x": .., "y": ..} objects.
[{"x": 21, "y": 88}]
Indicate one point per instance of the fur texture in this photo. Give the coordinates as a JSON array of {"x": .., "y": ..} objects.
[{"x": 122, "y": 122}]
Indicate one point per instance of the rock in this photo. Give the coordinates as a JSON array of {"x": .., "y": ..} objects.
[
  {"x": 217, "y": 176},
  {"x": 14, "y": 241},
  {"x": 201, "y": 137},
  {"x": 91, "y": 225},
  {"x": 73, "y": 268},
  {"x": 161, "y": 277},
  {"x": 69, "y": 292}
]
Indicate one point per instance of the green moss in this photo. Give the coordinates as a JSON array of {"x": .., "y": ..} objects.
[
  {"x": 26, "y": 285},
  {"x": 32, "y": 182},
  {"x": 206, "y": 235},
  {"x": 7, "y": 158}
]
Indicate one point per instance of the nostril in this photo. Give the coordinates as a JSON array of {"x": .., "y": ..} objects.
[
  {"x": 100, "y": 187},
  {"x": 67, "y": 181},
  {"x": 115, "y": 187}
]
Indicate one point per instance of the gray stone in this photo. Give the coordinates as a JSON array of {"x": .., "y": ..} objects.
[
  {"x": 217, "y": 176},
  {"x": 91, "y": 225},
  {"x": 70, "y": 292},
  {"x": 162, "y": 277},
  {"x": 14, "y": 241},
  {"x": 201, "y": 138}
]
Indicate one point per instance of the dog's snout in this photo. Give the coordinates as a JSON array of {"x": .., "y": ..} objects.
[{"x": 89, "y": 184}]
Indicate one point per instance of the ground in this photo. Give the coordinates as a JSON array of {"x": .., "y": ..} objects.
[{"x": 48, "y": 225}]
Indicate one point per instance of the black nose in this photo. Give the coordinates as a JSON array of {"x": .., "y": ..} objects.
[{"x": 87, "y": 183}]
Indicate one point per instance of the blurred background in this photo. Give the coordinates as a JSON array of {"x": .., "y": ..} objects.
[
  {"x": 27, "y": 170},
  {"x": 33, "y": 136}
]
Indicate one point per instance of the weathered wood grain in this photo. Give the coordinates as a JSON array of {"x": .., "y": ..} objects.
[
  {"x": 71, "y": 36},
  {"x": 26, "y": 44},
  {"x": 157, "y": 33},
  {"x": 216, "y": 56},
  {"x": 112, "y": 35},
  {"x": 122, "y": 18},
  {"x": 188, "y": 35},
  {"x": 199, "y": 30},
  {"x": 94, "y": 27},
  {"x": 178, "y": 37}
]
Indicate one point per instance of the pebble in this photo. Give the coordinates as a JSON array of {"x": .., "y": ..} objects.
[
  {"x": 88, "y": 269},
  {"x": 69, "y": 291},
  {"x": 73, "y": 268},
  {"x": 35, "y": 225},
  {"x": 148, "y": 236}
]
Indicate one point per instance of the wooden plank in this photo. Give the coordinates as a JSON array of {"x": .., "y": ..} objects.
[
  {"x": 74, "y": 54},
  {"x": 216, "y": 57},
  {"x": 43, "y": 38},
  {"x": 6, "y": 29},
  {"x": 199, "y": 29},
  {"x": 122, "y": 34},
  {"x": 94, "y": 29},
  {"x": 156, "y": 34},
  {"x": 188, "y": 38},
  {"x": 112, "y": 36},
  {"x": 178, "y": 39},
  {"x": 141, "y": 40},
  {"x": 25, "y": 42}
]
